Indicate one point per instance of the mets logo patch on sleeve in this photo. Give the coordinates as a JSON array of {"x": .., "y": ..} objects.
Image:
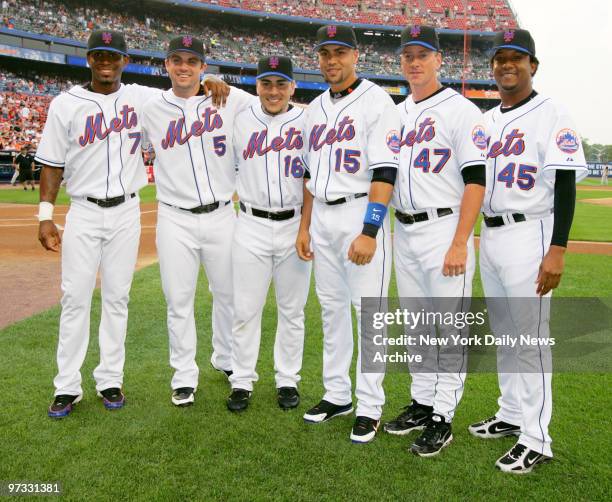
[
  {"x": 567, "y": 141},
  {"x": 479, "y": 137},
  {"x": 393, "y": 141}
]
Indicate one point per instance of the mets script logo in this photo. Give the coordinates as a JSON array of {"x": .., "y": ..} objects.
[
  {"x": 425, "y": 131},
  {"x": 274, "y": 62},
  {"x": 97, "y": 128},
  {"x": 512, "y": 144},
  {"x": 259, "y": 145},
  {"x": 415, "y": 31},
  {"x": 179, "y": 133},
  {"x": 394, "y": 141},
  {"x": 107, "y": 38},
  {"x": 479, "y": 137},
  {"x": 567, "y": 141},
  {"x": 345, "y": 131},
  {"x": 508, "y": 36},
  {"x": 187, "y": 41},
  {"x": 331, "y": 31}
]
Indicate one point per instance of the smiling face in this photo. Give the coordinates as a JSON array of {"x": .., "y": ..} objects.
[
  {"x": 513, "y": 71},
  {"x": 106, "y": 67},
  {"x": 274, "y": 93},
  {"x": 420, "y": 67},
  {"x": 184, "y": 69},
  {"x": 337, "y": 64}
]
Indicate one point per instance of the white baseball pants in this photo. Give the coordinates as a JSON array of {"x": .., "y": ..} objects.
[
  {"x": 419, "y": 251},
  {"x": 510, "y": 258},
  {"x": 264, "y": 251},
  {"x": 96, "y": 238},
  {"x": 184, "y": 242},
  {"x": 340, "y": 283}
]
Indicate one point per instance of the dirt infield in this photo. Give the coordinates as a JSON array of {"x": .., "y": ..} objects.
[
  {"x": 31, "y": 275},
  {"x": 605, "y": 201}
]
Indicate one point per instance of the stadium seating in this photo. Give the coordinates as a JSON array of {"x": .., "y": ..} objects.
[{"x": 227, "y": 43}]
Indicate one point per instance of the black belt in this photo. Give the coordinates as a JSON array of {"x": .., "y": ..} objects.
[
  {"x": 269, "y": 215},
  {"x": 409, "y": 219},
  {"x": 342, "y": 200},
  {"x": 112, "y": 202},
  {"x": 208, "y": 208},
  {"x": 498, "y": 221}
]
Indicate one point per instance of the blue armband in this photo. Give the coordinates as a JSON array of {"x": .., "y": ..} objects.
[{"x": 375, "y": 214}]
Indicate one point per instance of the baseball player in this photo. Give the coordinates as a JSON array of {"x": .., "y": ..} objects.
[
  {"x": 92, "y": 139},
  {"x": 268, "y": 144},
  {"x": 195, "y": 178},
  {"x": 352, "y": 156},
  {"x": 534, "y": 159},
  {"x": 437, "y": 199}
]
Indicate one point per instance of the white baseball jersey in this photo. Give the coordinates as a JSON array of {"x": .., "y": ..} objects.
[
  {"x": 268, "y": 150},
  {"x": 526, "y": 145},
  {"x": 348, "y": 138},
  {"x": 440, "y": 136},
  {"x": 194, "y": 163},
  {"x": 96, "y": 138}
]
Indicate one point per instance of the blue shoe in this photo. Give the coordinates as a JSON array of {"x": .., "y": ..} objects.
[
  {"x": 112, "y": 398},
  {"x": 62, "y": 405}
]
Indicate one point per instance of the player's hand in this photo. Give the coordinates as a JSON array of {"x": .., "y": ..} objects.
[
  {"x": 302, "y": 245},
  {"x": 362, "y": 250},
  {"x": 218, "y": 89},
  {"x": 455, "y": 260},
  {"x": 551, "y": 270},
  {"x": 48, "y": 236}
]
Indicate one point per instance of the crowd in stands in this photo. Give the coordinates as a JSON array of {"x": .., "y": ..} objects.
[
  {"x": 236, "y": 44},
  {"x": 483, "y": 15}
]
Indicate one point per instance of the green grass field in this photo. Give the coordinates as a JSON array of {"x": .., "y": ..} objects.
[
  {"x": 591, "y": 223},
  {"x": 151, "y": 450}
]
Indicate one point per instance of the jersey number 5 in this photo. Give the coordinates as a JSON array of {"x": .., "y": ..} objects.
[
  {"x": 524, "y": 180},
  {"x": 422, "y": 160}
]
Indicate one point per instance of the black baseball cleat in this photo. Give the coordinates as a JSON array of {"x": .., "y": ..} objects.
[
  {"x": 62, "y": 405},
  {"x": 493, "y": 428},
  {"x": 437, "y": 435},
  {"x": 520, "y": 460},
  {"x": 183, "y": 396},
  {"x": 324, "y": 411},
  {"x": 414, "y": 418},
  {"x": 227, "y": 373},
  {"x": 113, "y": 398},
  {"x": 288, "y": 398},
  {"x": 364, "y": 430},
  {"x": 238, "y": 400}
]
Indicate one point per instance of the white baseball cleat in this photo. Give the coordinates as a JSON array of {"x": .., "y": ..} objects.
[
  {"x": 520, "y": 460},
  {"x": 493, "y": 428},
  {"x": 324, "y": 411}
]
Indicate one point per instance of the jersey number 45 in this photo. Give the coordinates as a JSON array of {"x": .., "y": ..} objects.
[{"x": 524, "y": 180}]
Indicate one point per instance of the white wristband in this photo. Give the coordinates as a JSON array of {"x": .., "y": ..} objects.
[{"x": 45, "y": 211}]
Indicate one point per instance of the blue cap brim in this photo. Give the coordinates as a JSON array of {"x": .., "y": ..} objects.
[
  {"x": 107, "y": 49},
  {"x": 275, "y": 73},
  {"x": 168, "y": 54},
  {"x": 334, "y": 42},
  {"x": 418, "y": 42},
  {"x": 515, "y": 47}
]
